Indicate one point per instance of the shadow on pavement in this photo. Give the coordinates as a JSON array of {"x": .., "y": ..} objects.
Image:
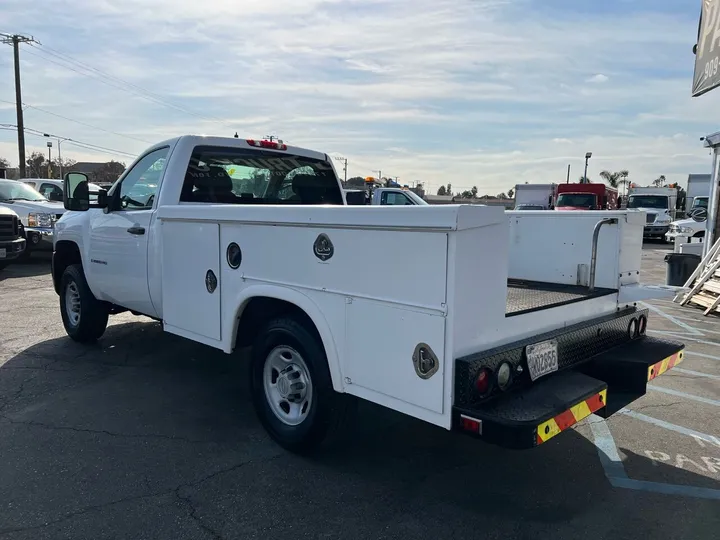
[
  {"x": 37, "y": 265},
  {"x": 147, "y": 435}
]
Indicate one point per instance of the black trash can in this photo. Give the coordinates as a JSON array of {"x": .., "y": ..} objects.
[{"x": 679, "y": 267}]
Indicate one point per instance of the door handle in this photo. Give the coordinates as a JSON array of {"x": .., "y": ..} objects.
[{"x": 136, "y": 230}]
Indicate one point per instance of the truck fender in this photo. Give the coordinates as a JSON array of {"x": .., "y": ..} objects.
[{"x": 301, "y": 301}]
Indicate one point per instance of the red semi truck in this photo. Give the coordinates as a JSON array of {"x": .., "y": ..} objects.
[{"x": 586, "y": 197}]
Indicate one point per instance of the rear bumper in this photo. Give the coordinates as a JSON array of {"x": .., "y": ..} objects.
[{"x": 598, "y": 377}]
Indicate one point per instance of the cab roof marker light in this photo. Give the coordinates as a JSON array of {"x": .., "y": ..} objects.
[{"x": 266, "y": 144}]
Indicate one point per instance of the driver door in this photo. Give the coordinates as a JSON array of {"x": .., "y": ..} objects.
[{"x": 119, "y": 237}]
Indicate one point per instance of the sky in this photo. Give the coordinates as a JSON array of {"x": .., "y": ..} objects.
[{"x": 486, "y": 93}]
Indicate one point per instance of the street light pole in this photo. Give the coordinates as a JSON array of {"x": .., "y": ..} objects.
[
  {"x": 49, "y": 167},
  {"x": 588, "y": 155},
  {"x": 59, "y": 140}
]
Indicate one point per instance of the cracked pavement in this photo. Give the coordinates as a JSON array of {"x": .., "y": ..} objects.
[{"x": 147, "y": 435}]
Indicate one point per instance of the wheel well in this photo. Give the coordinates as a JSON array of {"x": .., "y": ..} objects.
[
  {"x": 66, "y": 253},
  {"x": 699, "y": 234},
  {"x": 262, "y": 309}
]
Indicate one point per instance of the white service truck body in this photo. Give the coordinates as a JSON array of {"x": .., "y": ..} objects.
[
  {"x": 474, "y": 327},
  {"x": 535, "y": 195}
]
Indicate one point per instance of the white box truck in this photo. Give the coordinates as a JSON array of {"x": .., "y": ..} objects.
[{"x": 535, "y": 196}]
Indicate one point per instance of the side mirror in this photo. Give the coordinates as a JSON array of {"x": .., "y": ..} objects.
[
  {"x": 76, "y": 193},
  {"x": 699, "y": 214}
]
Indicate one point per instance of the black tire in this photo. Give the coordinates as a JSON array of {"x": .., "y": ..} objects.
[
  {"x": 3, "y": 265},
  {"x": 93, "y": 317},
  {"x": 327, "y": 410}
]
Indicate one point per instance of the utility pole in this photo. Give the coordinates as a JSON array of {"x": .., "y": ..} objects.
[
  {"x": 344, "y": 160},
  {"x": 379, "y": 175},
  {"x": 567, "y": 181},
  {"x": 271, "y": 138},
  {"x": 16, "y": 40}
]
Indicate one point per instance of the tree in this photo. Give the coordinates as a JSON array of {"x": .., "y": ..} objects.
[
  {"x": 36, "y": 165},
  {"x": 448, "y": 189},
  {"x": 4, "y": 163},
  {"x": 659, "y": 181},
  {"x": 584, "y": 180},
  {"x": 614, "y": 179},
  {"x": 511, "y": 193},
  {"x": 467, "y": 194},
  {"x": 441, "y": 191},
  {"x": 501, "y": 196},
  {"x": 108, "y": 173},
  {"x": 474, "y": 192},
  {"x": 356, "y": 181}
]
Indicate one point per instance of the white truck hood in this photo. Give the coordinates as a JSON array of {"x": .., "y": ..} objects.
[
  {"x": 694, "y": 225},
  {"x": 36, "y": 206}
]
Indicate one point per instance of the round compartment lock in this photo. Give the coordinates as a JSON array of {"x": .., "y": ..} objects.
[
  {"x": 210, "y": 281},
  {"x": 233, "y": 255}
]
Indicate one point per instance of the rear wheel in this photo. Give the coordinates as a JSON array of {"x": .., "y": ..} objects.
[
  {"x": 291, "y": 386},
  {"x": 3, "y": 264},
  {"x": 84, "y": 316}
]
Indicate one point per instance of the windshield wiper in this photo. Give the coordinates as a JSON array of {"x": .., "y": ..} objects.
[{"x": 24, "y": 199}]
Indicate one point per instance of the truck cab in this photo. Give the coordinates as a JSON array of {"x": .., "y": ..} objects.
[
  {"x": 659, "y": 207},
  {"x": 12, "y": 237},
  {"x": 382, "y": 196},
  {"x": 586, "y": 196}
]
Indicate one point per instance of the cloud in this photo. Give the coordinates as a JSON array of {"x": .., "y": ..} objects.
[
  {"x": 484, "y": 92},
  {"x": 599, "y": 78}
]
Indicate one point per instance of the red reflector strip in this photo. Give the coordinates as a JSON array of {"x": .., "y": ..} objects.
[
  {"x": 561, "y": 422},
  {"x": 471, "y": 424},
  {"x": 665, "y": 365}
]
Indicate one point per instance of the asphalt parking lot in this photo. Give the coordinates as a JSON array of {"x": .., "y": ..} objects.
[{"x": 146, "y": 435}]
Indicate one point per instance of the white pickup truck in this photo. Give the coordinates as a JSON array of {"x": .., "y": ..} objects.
[{"x": 233, "y": 242}]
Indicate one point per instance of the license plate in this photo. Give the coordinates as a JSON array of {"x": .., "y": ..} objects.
[
  {"x": 542, "y": 358},
  {"x": 3, "y": 253}
]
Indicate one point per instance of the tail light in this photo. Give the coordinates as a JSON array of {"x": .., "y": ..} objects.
[
  {"x": 267, "y": 144},
  {"x": 483, "y": 382}
]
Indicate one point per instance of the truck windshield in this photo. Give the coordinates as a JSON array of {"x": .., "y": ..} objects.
[
  {"x": 251, "y": 176},
  {"x": 576, "y": 200},
  {"x": 647, "y": 201},
  {"x": 17, "y": 191},
  {"x": 700, "y": 202}
]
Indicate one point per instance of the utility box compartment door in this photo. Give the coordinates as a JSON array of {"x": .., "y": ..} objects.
[
  {"x": 381, "y": 339},
  {"x": 190, "y": 252}
]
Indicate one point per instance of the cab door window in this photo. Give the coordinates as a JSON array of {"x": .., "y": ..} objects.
[
  {"x": 393, "y": 198},
  {"x": 139, "y": 186}
]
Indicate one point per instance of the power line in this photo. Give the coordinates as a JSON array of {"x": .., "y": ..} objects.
[
  {"x": 68, "y": 62},
  {"x": 86, "y": 124},
  {"x": 67, "y": 140}
]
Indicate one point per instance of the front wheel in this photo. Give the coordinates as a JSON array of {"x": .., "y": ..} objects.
[
  {"x": 291, "y": 387},
  {"x": 84, "y": 316}
]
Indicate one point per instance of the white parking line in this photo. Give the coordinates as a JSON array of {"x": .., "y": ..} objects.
[
  {"x": 685, "y": 395},
  {"x": 667, "y": 425},
  {"x": 702, "y": 355},
  {"x": 693, "y": 331},
  {"x": 695, "y": 373},
  {"x": 617, "y": 476}
]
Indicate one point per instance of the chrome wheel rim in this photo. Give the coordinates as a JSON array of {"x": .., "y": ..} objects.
[
  {"x": 287, "y": 384},
  {"x": 72, "y": 303}
]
